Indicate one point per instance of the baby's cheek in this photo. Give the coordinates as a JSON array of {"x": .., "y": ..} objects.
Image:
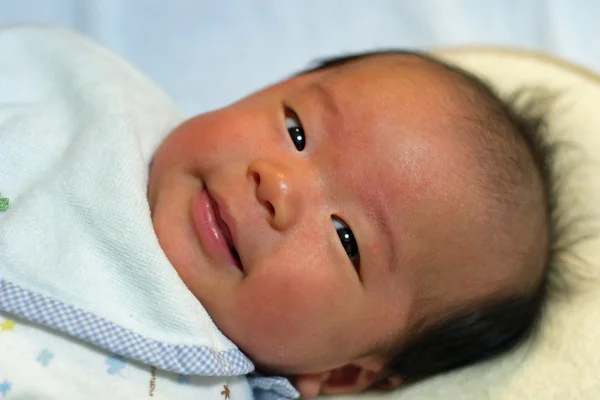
[
  {"x": 290, "y": 297},
  {"x": 291, "y": 317}
]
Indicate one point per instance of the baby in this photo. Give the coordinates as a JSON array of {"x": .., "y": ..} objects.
[{"x": 368, "y": 223}]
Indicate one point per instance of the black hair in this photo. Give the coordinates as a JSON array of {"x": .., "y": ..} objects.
[{"x": 490, "y": 329}]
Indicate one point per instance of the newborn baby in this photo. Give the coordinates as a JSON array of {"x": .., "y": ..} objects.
[
  {"x": 365, "y": 224},
  {"x": 331, "y": 222}
]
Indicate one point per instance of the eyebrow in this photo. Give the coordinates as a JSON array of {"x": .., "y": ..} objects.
[
  {"x": 383, "y": 227},
  {"x": 327, "y": 97}
]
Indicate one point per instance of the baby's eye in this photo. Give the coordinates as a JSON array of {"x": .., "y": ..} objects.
[
  {"x": 348, "y": 241},
  {"x": 295, "y": 129}
]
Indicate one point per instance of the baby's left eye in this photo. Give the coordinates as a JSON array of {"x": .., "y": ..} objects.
[
  {"x": 348, "y": 241},
  {"x": 295, "y": 129}
]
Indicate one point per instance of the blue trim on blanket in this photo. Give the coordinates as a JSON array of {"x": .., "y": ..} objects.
[
  {"x": 182, "y": 359},
  {"x": 272, "y": 388}
]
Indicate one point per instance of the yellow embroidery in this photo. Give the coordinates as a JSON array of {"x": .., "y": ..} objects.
[
  {"x": 226, "y": 392},
  {"x": 7, "y": 325}
]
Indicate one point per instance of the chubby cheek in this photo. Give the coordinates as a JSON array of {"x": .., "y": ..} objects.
[
  {"x": 291, "y": 313},
  {"x": 211, "y": 138}
]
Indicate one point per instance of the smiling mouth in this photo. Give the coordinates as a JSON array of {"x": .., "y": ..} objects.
[
  {"x": 224, "y": 228},
  {"x": 212, "y": 231}
]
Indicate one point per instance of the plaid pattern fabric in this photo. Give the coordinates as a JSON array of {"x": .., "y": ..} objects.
[
  {"x": 272, "y": 388},
  {"x": 183, "y": 359},
  {"x": 262, "y": 395}
]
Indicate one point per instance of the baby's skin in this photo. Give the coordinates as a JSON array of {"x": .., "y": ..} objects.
[{"x": 322, "y": 219}]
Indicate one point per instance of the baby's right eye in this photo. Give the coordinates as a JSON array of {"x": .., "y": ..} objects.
[{"x": 295, "y": 129}]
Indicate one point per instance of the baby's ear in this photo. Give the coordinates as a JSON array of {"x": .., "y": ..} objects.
[{"x": 350, "y": 378}]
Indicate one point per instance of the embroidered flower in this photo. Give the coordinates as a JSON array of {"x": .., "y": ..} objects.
[{"x": 4, "y": 204}]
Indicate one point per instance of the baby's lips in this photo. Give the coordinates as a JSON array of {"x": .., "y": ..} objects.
[
  {"x": 224, "y": 219},
  {"x": 210, "y": 233},
  {"x": 222, "y": 224}
]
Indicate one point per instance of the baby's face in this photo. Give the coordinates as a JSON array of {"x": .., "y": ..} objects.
[{"x": 344, "y": 194}]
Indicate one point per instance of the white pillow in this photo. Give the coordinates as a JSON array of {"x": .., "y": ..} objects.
[{"x": 563, "y": 360}]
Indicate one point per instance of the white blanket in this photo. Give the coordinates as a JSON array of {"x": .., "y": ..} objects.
[{"x": 77, "y": 249}]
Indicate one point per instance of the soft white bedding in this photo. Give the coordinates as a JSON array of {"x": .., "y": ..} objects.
[{"x": 207, "y": 53}]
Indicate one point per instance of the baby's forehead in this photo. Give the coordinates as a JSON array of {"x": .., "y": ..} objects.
[
  {"x": 397, "y": 82},
  {"x": 397, "y": 85},
  {"x": 417, "y": 109},
  {"x": 390, "y": 99},
  {"x": 398, "y": 66}
]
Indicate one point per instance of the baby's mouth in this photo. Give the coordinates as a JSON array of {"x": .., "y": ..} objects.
[
  {"x": 226, "y": 232},
  {"x": 212, "y": 230}
]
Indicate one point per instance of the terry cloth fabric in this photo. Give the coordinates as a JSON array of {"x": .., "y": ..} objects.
[
  {"x": 78, "y": 253},
  {"x": 46, "y": 364}
]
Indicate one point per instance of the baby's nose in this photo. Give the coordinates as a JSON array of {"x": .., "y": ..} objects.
[{"x": 281, "y": 190}]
